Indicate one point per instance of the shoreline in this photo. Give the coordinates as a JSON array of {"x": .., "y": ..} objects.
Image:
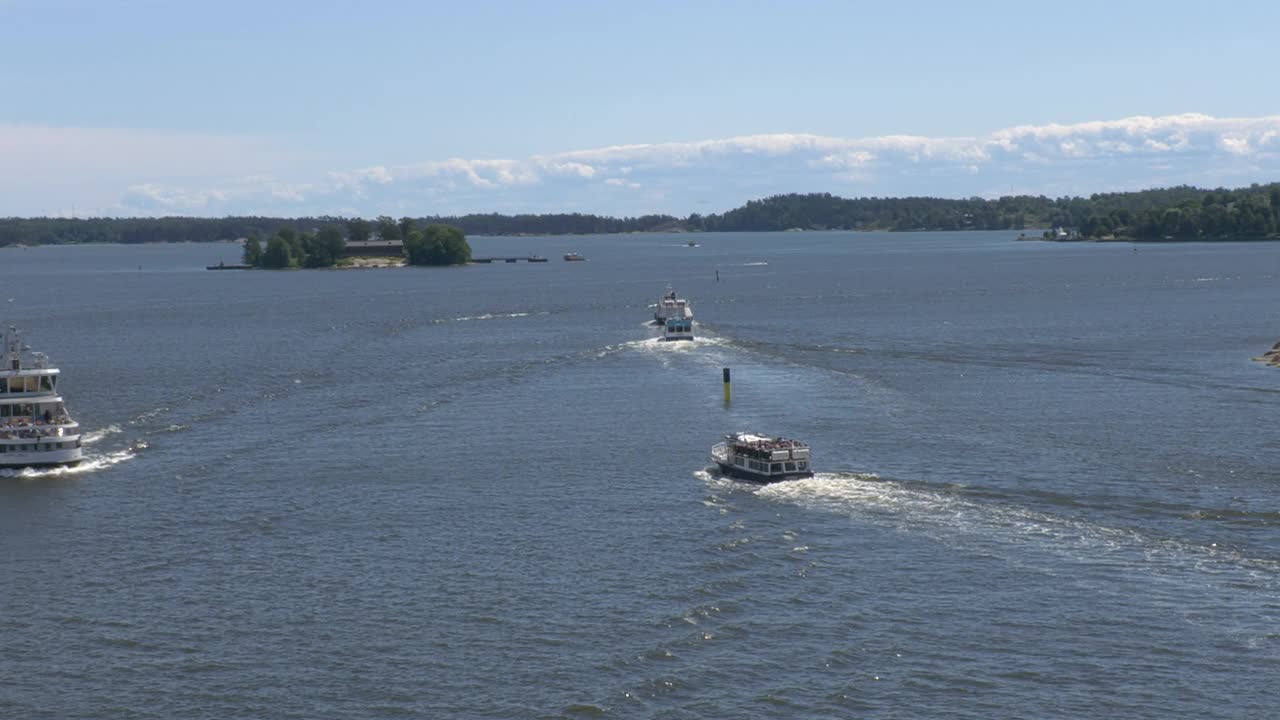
[{"x": 792, "y": 231}]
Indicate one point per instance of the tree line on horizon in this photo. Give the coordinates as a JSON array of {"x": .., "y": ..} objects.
[{"x": 1182, "y": 213}]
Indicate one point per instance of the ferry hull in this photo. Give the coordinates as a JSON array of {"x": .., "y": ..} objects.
[
  {"x": 54, "y": 458},
  {"x": 744, "y": 474}
]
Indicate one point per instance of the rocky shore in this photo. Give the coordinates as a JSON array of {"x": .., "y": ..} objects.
[
  {"x": 372, "y": 262},
  {"x": 1271, "y": 357}
]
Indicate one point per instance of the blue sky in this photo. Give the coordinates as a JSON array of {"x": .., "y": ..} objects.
[{"x": 141, "y": 107}]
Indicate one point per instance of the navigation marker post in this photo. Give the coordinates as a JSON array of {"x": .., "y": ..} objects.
[{"x": 728, "y": 388}]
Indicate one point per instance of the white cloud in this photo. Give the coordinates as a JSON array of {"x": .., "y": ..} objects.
[
  {"x": 150, "y": 173},
  {"x": 1235, "y": 144}
]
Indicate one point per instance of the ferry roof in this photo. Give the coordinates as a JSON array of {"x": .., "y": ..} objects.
[
  {"x": 752, "y": 438},
  {"x": 16, "y": 399},
  {"x": 30, "y": 371}
]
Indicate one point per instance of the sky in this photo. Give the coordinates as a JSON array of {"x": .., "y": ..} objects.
[{"x": 283, "y": 107}]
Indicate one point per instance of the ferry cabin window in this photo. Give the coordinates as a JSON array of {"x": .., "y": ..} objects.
[
  {"x": 46, "y": 382},
  {"x": 15, "y": 410},
  {"x": 803, "y": 465},
  {"x": 790, "y": 466},
  {"x": 777, "y": 467}
]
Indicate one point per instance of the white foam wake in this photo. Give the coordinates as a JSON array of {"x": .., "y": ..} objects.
[
  {"x": 91, "y": 463},
  {"x": 90, "y": 438},
  {"x": 493, "y": 316},
  {"x": 658, "y": 345},
  {"x": 943, "y": 513}
]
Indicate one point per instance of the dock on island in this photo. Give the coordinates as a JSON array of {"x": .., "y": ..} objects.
[{"x": 489, "y": 260}]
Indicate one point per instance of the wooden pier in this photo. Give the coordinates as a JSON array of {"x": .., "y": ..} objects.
[{"x": 529, "y": 258}]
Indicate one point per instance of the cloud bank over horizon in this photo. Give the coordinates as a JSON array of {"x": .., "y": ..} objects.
[{"x": 134, "y": 172}]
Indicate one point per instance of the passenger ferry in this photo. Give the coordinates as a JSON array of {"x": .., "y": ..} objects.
[
  {"x": 35, "y": 429},
  {"x": 574, "y": 257},
  {"x": 761, "y": 458},
  {"x": 678, "y": 328},
  {"x": 670, "y": 306}
]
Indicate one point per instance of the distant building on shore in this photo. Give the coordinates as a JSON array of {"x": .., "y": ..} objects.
[{"x": 376, "y": 247}]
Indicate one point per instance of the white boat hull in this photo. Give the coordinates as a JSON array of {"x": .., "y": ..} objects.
[{"x": 42, "y": 458}]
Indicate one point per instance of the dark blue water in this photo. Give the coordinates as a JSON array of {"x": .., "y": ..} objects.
[{"x": 1050, "y": 484}]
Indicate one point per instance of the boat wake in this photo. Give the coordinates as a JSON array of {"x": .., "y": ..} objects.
[
  {"x": 490, "y": 316},
  {"x": 91, "y": 463},
  {"x": 658, "y": 345},
  {"x": 950, "y": 514},
  {"x": 95, "y": 436}
]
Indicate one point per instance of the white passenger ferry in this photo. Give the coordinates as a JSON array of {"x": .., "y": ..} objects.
[
  {"x": 677, "y": 328},
  {"x": 670, "y": 306},
  {"x": 35, "y": 429},
  {"x": 761, "y": 458}
]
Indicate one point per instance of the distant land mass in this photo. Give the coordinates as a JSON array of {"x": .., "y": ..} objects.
[{"x": 1177, "y": 213}]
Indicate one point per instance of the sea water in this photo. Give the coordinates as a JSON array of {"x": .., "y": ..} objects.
[{"x": 1047, "y": 483}]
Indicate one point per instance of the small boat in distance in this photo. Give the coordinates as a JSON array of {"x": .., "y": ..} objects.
[
  {"x": 223, "y": 266},
  {"x": 537, "y": 258},
  {"x": 761, "y": 458},
  {"x": 573, "y": 257},
  {"x": 35, "y": 429},
  {"x": 692, "y": 243}
]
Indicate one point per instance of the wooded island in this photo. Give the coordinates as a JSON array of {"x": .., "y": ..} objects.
[{"x": 327, "y": 246}]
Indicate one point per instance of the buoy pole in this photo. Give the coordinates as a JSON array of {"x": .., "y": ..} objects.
[{"x": 728, "y": 388}]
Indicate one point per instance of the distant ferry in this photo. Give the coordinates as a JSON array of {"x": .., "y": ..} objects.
[
  {"x": 537, "y": 258},
  {"x": 35, "y": 429},
  {"x": 573, "y": 257},
  {"x": 670, "y": 306},
  {"x": 761, "y": 458},
  {"x": 677, "y": 328},
  {"x": 692, "y": 243}
]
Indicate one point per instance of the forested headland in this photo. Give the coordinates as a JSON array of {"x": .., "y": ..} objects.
[{"x": 1176, "y": 213}]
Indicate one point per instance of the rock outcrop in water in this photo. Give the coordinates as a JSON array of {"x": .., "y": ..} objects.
[{"x": 1271, "y": 357}]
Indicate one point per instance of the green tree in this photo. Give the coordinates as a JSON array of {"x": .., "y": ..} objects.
[
  {"x": 388, "y": 229},
  {"x": 298, "y": 247},
  {"x": 456, "y": 249},
  {"x": 277, "y": 254},
  {"x": 406, "y": 224},
  {"x": 438, "y": 245},
  {"x": 253, "y": 251},
  {"x": 358, "y": 230},
  {"x": 414, "y": 246},
  {"x": 329, "y": 245}
]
